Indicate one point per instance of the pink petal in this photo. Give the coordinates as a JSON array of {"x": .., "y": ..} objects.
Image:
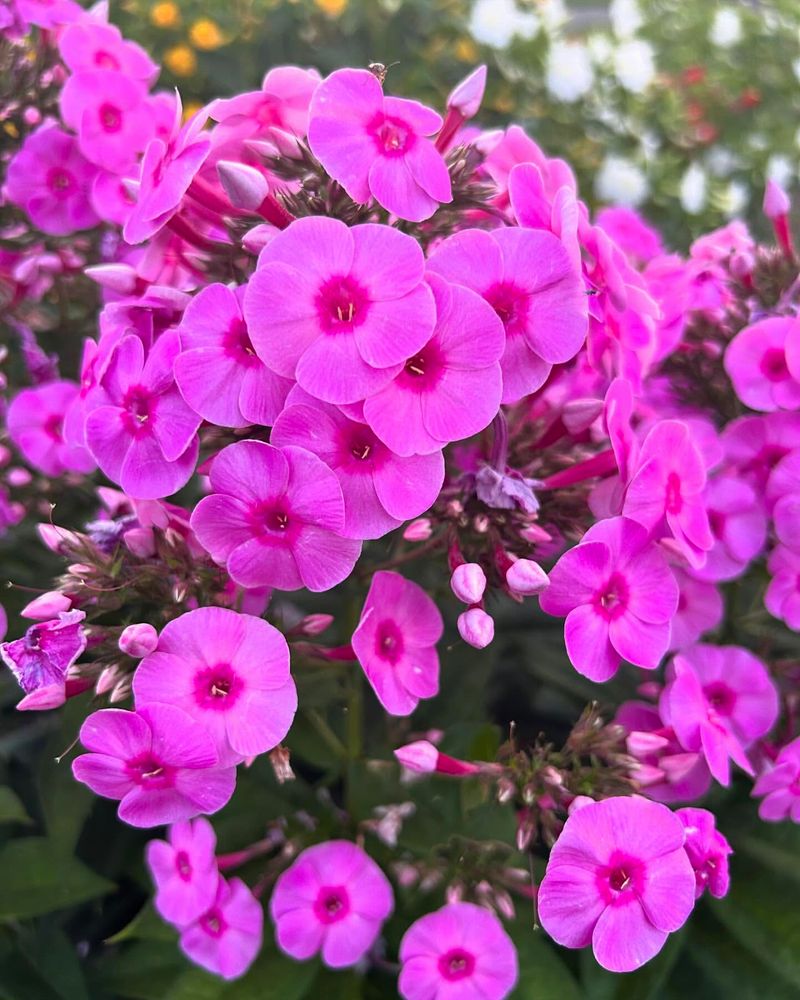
[
  {"x": 397, "y": 329},
  {"x": 569, "y": 904},
  {"x": 108, "y": 440},
  {"x": 207, "y": 789},
  {"x": 639, "y": 642},
  {"x": 147, "y": 475},
  {"x": 174, "y": 424},
  {"x": 299, "y": 934},
  {"x": 281, "y": 315},
  {"x": 588, "y": 646},
  {"x": 221, "y": 524},
  {"x": 395, "y": 414},
  {"x": 624, "y": 939},
  {"x": 471, "y": 258},
  {"x": 576, "y": 577},
  {"x": 393, "y": 187},
  {"x": 324, "y": 559},
  {"x": 313, "y": 493},
  {"x": 347, "y": 941},
  {"x": 177, "y": 739},
  {"x": 251, "y": 471},
  {"x": 116, "y": 732},
  {"x": 262, "y": 395},
  {"x": 106, "y": 776},
  {"x": 406, "y": 487},
  {"x": 262, "y": 562},
  {"x": 387, "y": 263},
  {"x": 333, "y": 370},
  {"x": 463, "y": 403},
  {"x": 427, "y": 167},
  {"x": 210, "y": 382},
  {"x": 669, "y": 892},
  {"x": 263, "y": 720}
]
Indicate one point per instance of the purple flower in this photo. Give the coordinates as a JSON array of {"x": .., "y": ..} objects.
[
  {"x": 274, "y": 518},
  {"x": 145, "y": 439},
  {"x": 41, "y": 659},
  {"x": 90, "y": 45},
  {"x": 339, "y": 309},
  {"x": 332, "y": 899},
  {"x": 227, "y": 938},
  {"x": 782, "y": 598},
  {"x": 228, "y": 671},
  {"x": 158, "y": 761},
  {"x": 395, "y": 642},
  {"x": 618, "y": 595},
  {"x": 458, "y": 951},
  {"x": 619, "y": 879},
  {"x": 35, "y": 422},
  {"x": 756, "y": 363},
  {"x": 375, "y": 146},
  {"x": 282, "y": 103},
  {"x": 707, "y": 850},
  {"x": 780, "y": 786},
  {"x": 184, "y": 869},
  {"x": 380, "y": 489}
]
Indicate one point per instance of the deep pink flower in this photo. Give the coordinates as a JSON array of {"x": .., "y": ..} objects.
[
  {"x": 783, "y": 495},
  {"x": 756, "y": 363},
  {"x": 145, "y": 438},
  {"x": 218, "y": 372},
  {"x": 333, "y": 898},
  {"x": 380, "y": 489},
  {"x": 49, "y": 13},
  {"x": 339, "y": 309},
  {"x": 458, "y": 951},
  {"x": 618, "y": 595},
  {"x": 50, "y": 179},
  {"x": 274, "y": 518},
  {"x": 708, "y": 851},
  {"x": 281, "y": 103},
  {"x": 448, "y": 389},
  {"x": 35, "y": 422},
  {"x": 184, "y": 869},
  {"x": 782, "y": 598},
  {"x": 700, "y": 609},
  {"x": 158, "y": 761},
  {"x": 536, "y": 204},
  {"x": 738, "y": 525},
  {"x": 111, "y": 197},
  {"x": 41, "y": 659},
  {"x": 227, "y": 938},
  {"x": 780, "y": 786},
  {"x": 630, "y": 232},
  {"x": 91, "y": 45},
  {"x": 755, "y": 445},
  {"x": 719, "y": 701},
  {"x": 527, "y": 277},
  {"x": 619, "y": 879},
  {"x": 395, "y": 642},
  {"x": 228, "y": 671},
  {"x": 375, "y": 146}
]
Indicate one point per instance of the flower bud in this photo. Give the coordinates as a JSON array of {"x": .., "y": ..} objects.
[
  {"x": 245, "y": 186},
  {"x": 46, "y": 606},
  {"x": 56, "y": 539},
  {"x": 419, "y": 757},
  {"x": 476, "y": 627},
  {"x": 255, "y": 239},
  {"x": 138, "y": 640},
  {"x": 776, "y": 201},
  {"x": 18, "y": 477},
  {"x": 579, "y": 802},
  {"x": 526, "y": 577},
  {"x": 468, "y": 583},
  {"x": 140, "y": 542},
  {"x": 535, "y": 534},
  {"x": 120, "y": 278},
  {"x": 315, "y": 624},
  {"x": 419, "y": 530},
  {"x": 466, "y": 96},
  {"x": 640, "y": 744}
]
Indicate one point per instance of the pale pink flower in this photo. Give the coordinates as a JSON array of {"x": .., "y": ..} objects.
[
  {"x": 780, "y": 786},
  {"x": 184, "y": 869},
  {"x": 227, "y": 938}
]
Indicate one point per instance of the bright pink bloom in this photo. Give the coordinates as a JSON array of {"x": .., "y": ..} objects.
[
  {"x": 719, "y": 700},
  {"x": 49, "y": 13},
  {"x": 380, "y": 489},
  {"x": 339, "y": 309},
  {"x": 90, "y": 45},
  {"x": 395, "y": 642},
  {"x": 755, "y": 445},
  {"x": 375, "y": 146},
  {"x": 449, "y": 388},
  {"x": 782, "y": 598},
  {"x": 145, "y": 438},
  {"x": 50, "y": 179},
  {"x": 708, "y": 851},
  {"x": 282, "y": 103},
  {"x": 35, "y": 422},
  {"x": 459, "y": 951},
  {"x": 333, "y": 898},
  {"x": 184, "y": 869},
  {"x": 158, "y": 761},
  {"x": 630, "y": 232},
  {"x": 665, "y": 493},
  {"x": 739, "y": 527},
  {"x": 111, "y": 199},
  {"x": 618, "y": 595},
  {"x": 527, "y": 277},
  {"x": 783, "y": 491},
  {"x": 756, "y": 361},
  {"x": 619, "y": 879},
  {"x": 275, "y": 518},
  {"x": 228, "y": 671},
  {"x": 700, "y": 609},
  {"x": 780, "y": 786},
  {"x": 218, "y": 372},
  {"x": 138, "y": 640},
  {"x": 227, "y": 938},
  {"x": 41, "y": 659}
]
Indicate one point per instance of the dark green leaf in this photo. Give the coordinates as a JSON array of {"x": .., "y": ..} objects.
[
  {"x": 11, "y": 809},
  {"x": 38, "y": 878}
]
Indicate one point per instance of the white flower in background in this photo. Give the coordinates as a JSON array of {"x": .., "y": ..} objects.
[
  {"x": 722, "y": 161},
  {"x": 780, "y": 169},
  {"x": 758, "y": 141},
  {"x": 650, "y": 145},
  {"x": 569, "y": 74},
  {"x": 496, "y": 22},
  {"x": 626, "y": 18},
  {"x": 553, "y": 13},
  {"x": 726, "y": 28},
  {"x": 620, "y": 181},
  {"x": 634, "y": 65},
  {"x": 733, "y": 198},
  {"x": 797, "y": 138},
  {"x": 600, "y": 48},
  {"x": 694, "y": 190}
]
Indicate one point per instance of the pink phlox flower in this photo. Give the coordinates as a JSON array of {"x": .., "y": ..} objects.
[
  {"x": 218, "y": 372},
  {"x": 527, "y": 278},
  {"x": 227, "y": 938},
  {"x": 145, "y": 438},
  {"x": 607, "y": 497},
  {"x": 36, "y": 425},
  {"x": 230, "y": 672},
  {"x": 376, "y": 146},
  {"x": 632, "y": 234},
  {"x": 780, "y": 786},
  {"x": 395, "y": 642},
  {"x": 41, "y": 659},
  {"x": 700, "y": 609},
  {"x": 514, "y": 147},
  {"x": 49, "y": 13},
  {"x": 738, "y": 525},
  {"x": 274, "y": 518},
  {"x": 184, "y": 870},
  {"x": 111, "y": 198},
  {"x": 380, "y": 489},
  {"x": 534, "y": 208},
  {"x": 332, "y": 899},
  {"x": 90, "y": 45},
  {"x": 708, "y": 851},
  {"x": 756, "y": 362},
  {"x": 667, "y": 280},
  {"x": 618, "y": 878},
  {"x": 461, "y": 950},
  {"x": 783, "y": 495},
  {"x": 618, "y": 595},
  {"x": 282, "y": 102},
  {"x": 158, "y": 761},
  {"x": 718, "y": 245},
  {"x": 782, "y": 598},
  {"x": 755, "y": 445},
  {"x": 719, "y": 700},
  {"x": 339, "y": 309},
  {"x": 50, "y": 179}
]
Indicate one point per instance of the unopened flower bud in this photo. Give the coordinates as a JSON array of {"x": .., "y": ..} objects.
[
  {"x": 579, "y": 802},
  {"x": 138, "y": 640},
  {"x": 18, "y": 477},
  {"x": 140, "y": 542},
  {"x": 121, "y": 691},
  {"x": 579, "y": 414},
  {"x": 476, "y": 627},
  {"x": 535, "y": 534},
  {"x": 245, "y": 186},
  {"x": 468, "y": 583},
  {"x": 526, "y": 577},
  {"x": 46, "y": 606},
  {"x": 56, "y": 539},
  {"x": 419, "y": 530},
  {"x": 506, "y": 790},
  {"x": 120, "y": 278},
  {"x": 255, "y": 239},
  {"x": 315, "y": 624},
  {"x": 642, "y": 744},
  {"x": 108, "y": 679},
  {"x": 419, "y": 757},
  {"x": 776, "y": 200},
  {"x": 466, "y": 96}
]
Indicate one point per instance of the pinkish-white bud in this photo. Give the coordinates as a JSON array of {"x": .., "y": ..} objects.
[
  {"x": 315, "y": 624},
  {"x": 645, "y": 774},
  {"x": 255, "y": 239},
  {"x": 46, "y": 606},
  {"x": 579, "y": 802},
  {"x": 419, "y": 530},
  {"x": 466, "y": 96},
  {"x": 56, "y": 539},
  {"x": 120, "y": 278},
  {"x": 245, "y": 186},
  {"x": 579, "y": 414},
  {"x": 420, "y": 757},
  {"x": 18, "y": 477},
  {"x": 286, "y": 144},
  {"x": 468, "y": 583},
  {"x": 108, "y": 679},
  {"x": 776, "y": 201},
  {"x": 138, "y": 640},
  {"x": 640, "y": 744},
  {"x": 536, "y": 535},
  {"x": 476, "y": 627},
  {"x": 140, "y": 542},
  {"x": 526, "y": 577}
]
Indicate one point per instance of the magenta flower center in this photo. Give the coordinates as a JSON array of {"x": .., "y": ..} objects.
[
  {"x": 138, "y": 404},
  {"x": 60, "y": 182},
  {"x": 359, "y": 443},
  {"x": 105, "y": 60},
  {"x": 183, "y": 866},
  {"x": 423, "y": 371},
  {"x": 621, "y": 879},
  {"x": 272, "y": 521},
  {"x": 392, "y": 136},
  {"x": 389, "y": 643},
  {"x": 716, "y": 521},
  {"x": 149, "y": 771},
  {"x": 268, "y": 111},
  {"x": 721, "y": 698},
  {"x": 674, "y": 500},
  {"x": 773, "y": 364},
  {"x": 611, "y": 600},
  {"x": 110, "y": 117},
  {"x": 332, "y": 904},
  {"x": 342, "y": 305},
  {"x": 53, "y": 426},
  {"x": 511, "y": 305},
  {"x": 456, "y": 964},
  {"x": 236, "y": 343},
  {"x": 213, "y": 923},
  {"x": 217, "y": 688}
]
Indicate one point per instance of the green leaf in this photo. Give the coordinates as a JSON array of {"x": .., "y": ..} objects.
[
  {"x": 53, "y": 956},
  {"x": 65, "y": 803},
  {"x": 542, "y": 974},
  {"x": 147, "y": 925},
  {"x": 276, "y": 977},
  {"x": 11, "y": 809},
  {"x": 143, "y": 970},
  {"x": 338, "y": 985}
]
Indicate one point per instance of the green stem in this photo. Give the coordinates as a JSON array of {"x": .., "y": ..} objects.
[
  {"x": 355, "y": 720},
  {"x": 325, "y": 731}
]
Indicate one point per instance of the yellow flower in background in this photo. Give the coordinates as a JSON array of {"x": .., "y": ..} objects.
[
  {"x": 333, "y": 8},
  {"x": 190, "y": 108},
  {"x": 165, "y": 14},
  {"x": 180, "y": 60},
  {"x": 466, "y": 50},
  {"x": 205, "y": 34}
]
